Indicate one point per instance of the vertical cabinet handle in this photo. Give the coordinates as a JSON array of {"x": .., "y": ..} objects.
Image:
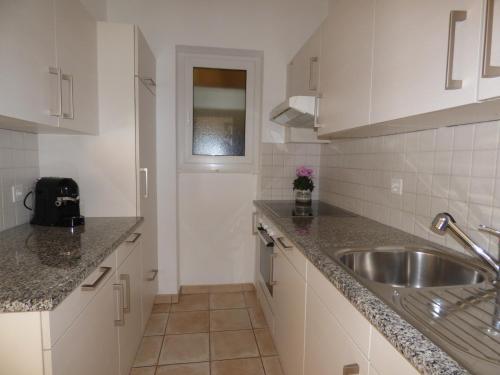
[
  {"x": 316, "y": 111},
  {"x": 126, "y": 303},
  {"x": 254, "y": 222},
  {"x": 121, "y": 314},
  {"x": 58, "y": 73},
  {"x": 455, "y": 17},
  {"x": 271, "y": 270},
  {"x": 312, "y": 83},
  {"x": 146, "y": 184},
  {"x": 489, "y": 71},
  {"x": 71, "y": 114},
  {"x": 351, "y": 369}
]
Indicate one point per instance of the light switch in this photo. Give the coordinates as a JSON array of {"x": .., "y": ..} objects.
[
  {"x": 17, "y": 193},
  {"x": 397, "y": 186}
]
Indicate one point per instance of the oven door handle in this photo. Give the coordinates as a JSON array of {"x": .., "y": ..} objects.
[
  {"x": 272, "y": 282},
  {"x": 266, "y": 238}
]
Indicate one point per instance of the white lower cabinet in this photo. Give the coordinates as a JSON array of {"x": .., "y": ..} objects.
[
  {"x": 89, "y": 345},
  {"x": 129, "y": 276},
  {"x": 328, "y": 349},
  {"x": 289, "y": 301}
]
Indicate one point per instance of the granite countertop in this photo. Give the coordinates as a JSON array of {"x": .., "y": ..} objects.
[
  {"x": 320, "y": 237},
  {"x": 36, "y": 271}
]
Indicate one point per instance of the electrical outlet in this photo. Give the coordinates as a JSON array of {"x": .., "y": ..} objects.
[
  {"x": 397, "y": 186},
  {"x": 17, "y": 193}
]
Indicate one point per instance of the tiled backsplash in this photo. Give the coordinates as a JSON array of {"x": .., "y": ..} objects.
[
  {"x": 278, "y": 168},
  {"x": 454, "y": 169},
  {"x": 18, "y": 165}
]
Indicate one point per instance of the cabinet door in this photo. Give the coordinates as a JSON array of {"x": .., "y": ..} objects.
[
  {"x": 90, "y": 346},
  {"x": 76, "y": 45},
  {"x": 328, "y": 350},
  {"x": 289, "y": 297},
  {"x": 304, "y": 69},
  {"x": 129, "y": 275},
  {"x": 489, "y": 81},
  {"x": 346, "y": 62},
  {"x": 28, "y": 51},
  {"x": 411, "y": 64}
]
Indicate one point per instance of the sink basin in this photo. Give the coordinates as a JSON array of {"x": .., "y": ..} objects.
[{"x": 410, "y": 268}]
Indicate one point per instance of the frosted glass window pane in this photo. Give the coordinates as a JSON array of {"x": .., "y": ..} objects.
[{"x": 219, "y": 112}]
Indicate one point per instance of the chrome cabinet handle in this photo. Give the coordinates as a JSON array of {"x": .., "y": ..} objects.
[
  {"x": 312, "y": 61},
  {"x": 93, "y": 286},
  {"x": 271, "y": 270},
  {"x": 134, "y": 238},
  {"x": 316, "y": 110},
  {"x": 71, "y": 114},
  {"x": 455, "y": 17},
  {"x": 489, "y": 71},
  {"x": 155, "y": 273},
  {"x": 254, "y": 223},
  {"x": 351, "y": 369},
  {"x": 121, "y": 315},
  {"x": 58, "y": 73},
  {"x": 126, "y": 303},
  {"x": 146, "y": 184},
  {"x": 283, "y": 245}
]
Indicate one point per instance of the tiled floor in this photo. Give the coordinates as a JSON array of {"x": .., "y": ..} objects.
[{"x": 211, "y": 331}]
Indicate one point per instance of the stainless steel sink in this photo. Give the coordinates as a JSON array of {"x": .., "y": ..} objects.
[{"x": 411, "y": 268}]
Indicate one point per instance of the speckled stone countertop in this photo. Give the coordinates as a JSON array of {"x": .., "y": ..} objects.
[
  {"x": 320, "y": 237},
  {"x": 35, "y": 273}
]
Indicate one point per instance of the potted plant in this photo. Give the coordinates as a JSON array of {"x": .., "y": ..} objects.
[{"x": 303, "y": 185}]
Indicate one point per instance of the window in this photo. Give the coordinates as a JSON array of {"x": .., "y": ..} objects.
[{"x": 218, "y": 109}]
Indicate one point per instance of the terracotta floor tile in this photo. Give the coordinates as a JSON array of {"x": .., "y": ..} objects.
[
  {"x": 185, "y": 369},
  {"x": 188, "y": 322},
  {"x": 192, "y": 347},
  {"x": 191, "y": 302},
  {"x": 233, "y": 344},
  {"x": 161, "y": 308},
  {"x": 225, "y": 288},
  {"x": 143, "y": 371},
  {"x": 251, "y": 299},
  {"x": 148, "y": 352},
  {"x": 265, "y": 342},
  {"x": 257, "y": 317},
  {"x": 229, "y": 320},
  {"x": 156, "y": 324},
  {"x": 227, "y": 301},
  {"x": 272, "y": 365},
  {"x": 247, "y": 366},
  {"x": 195, "y": 289}
]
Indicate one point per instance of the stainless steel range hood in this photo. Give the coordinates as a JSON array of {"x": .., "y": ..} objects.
[{"x": 296, "y": 111}]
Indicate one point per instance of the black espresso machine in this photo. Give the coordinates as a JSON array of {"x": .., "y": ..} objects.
[{"x": 57, "y": 203}]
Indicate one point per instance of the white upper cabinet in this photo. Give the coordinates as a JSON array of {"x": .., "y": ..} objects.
[
  {"x": 48, "y": 67},
  {"x": 27, "y": 52},
  {"x": 489, "y": 81},
  {"x": 426, "y": 56},
  {"x": 76, "y": 44},
  {"x": 346, "y": 65},
  {"x": 303, "y": 74}
]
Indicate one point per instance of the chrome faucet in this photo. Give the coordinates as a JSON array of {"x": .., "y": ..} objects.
[{"x": 445, "y": 221}]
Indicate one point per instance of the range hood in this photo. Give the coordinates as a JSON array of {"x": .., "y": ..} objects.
[{"x": 296, "y": 111}]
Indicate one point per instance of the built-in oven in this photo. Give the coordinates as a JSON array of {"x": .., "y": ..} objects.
[{"x": 266, "y": 255}]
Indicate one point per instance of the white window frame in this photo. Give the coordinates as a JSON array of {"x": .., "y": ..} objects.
[{"x": 251, "y": 62}]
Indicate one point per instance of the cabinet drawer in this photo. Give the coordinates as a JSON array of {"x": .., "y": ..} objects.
[
  {"x": 386, "y": 360},
  {"x": 355, "y": 324},
  {"x": 56, "y": 322},
  {"x": 294, "y": 256},
  {"x": 126, "y": 247}
]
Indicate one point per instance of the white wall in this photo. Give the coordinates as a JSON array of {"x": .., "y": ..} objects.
[
  {"x": 276, "y": 27},
  {"x": 97, "y": 8}
]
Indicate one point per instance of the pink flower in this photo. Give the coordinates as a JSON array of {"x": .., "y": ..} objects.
[{"x": 303, "y": 171}]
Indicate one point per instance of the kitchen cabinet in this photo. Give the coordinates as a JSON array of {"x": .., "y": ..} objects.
[
  {"x": 48, "y": 70},
  {"x": 328, "y": 349},
  {"x": 129, "y": 276},
  {"x": 489, "y": 79},
  {"x": 76, "y": 46},
  {"x": 346, "y": 64},
  {"x": 289, "y": 295},
  {"x": 426, "y": 56},
  {"x": 385, "y": 359},
  {"x": 304, "y": 69},
  {"x": 89, "y": 346}
]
